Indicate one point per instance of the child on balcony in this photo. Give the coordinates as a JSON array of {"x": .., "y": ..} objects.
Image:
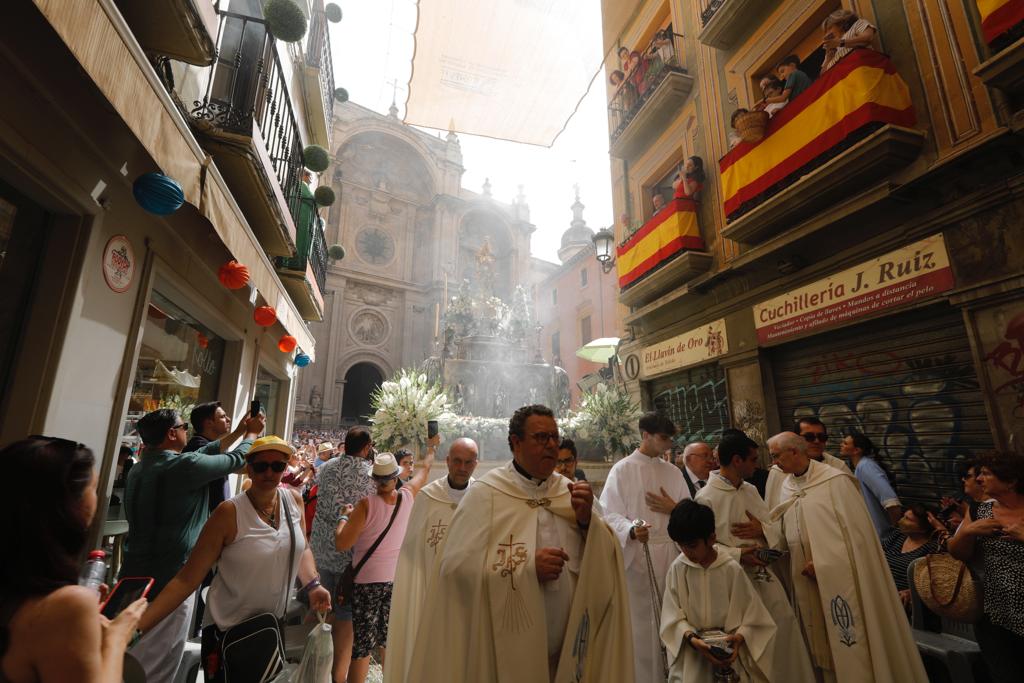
[
  {"x": 772, "y": 88},
  {"x": 794, "y": 80}
]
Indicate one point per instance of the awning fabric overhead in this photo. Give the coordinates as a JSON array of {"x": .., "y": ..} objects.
[
  {"x": 127, "y": 80},
  {"x": 508, "y": 69}
]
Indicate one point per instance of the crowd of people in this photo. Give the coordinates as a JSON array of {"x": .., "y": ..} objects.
[
  {"x": 693, "y": 564},
  {"x": 842, "y": 32}
]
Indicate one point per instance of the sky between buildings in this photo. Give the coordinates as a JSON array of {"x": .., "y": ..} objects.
[{"x": 373, "y": 49}]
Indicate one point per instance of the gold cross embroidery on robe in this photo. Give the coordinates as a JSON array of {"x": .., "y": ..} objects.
[
  {"x": 436, "y": 534},
  {"x": 510, "y": 556}
]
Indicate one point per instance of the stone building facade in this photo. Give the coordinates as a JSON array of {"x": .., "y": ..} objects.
[{"x": 411, "y": 234}]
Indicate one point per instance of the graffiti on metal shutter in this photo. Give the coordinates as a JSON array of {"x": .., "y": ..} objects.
[{"x": 696, "y": 402}]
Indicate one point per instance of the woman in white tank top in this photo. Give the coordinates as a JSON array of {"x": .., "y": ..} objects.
[{"x": 249, "y": 539}]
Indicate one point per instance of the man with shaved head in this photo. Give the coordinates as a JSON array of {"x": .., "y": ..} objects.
[
  {"x": 424, "y": 541},
  {"x": 843, "y": 594}
]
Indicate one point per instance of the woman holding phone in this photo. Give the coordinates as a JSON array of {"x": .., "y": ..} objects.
[
  {"x": 43, "y": 610},
  {"x": 250, "y": 540}
]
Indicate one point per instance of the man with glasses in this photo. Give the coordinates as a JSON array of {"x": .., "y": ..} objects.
[
  {"x": 344, "y": 480},
  {"x": 843, "y": 592},
  {"x": 167, "y": 504},
  {"x": 627, "y": 496},
  {"x": 530, "y": 585},
  {"x": 815, "y": 435}
]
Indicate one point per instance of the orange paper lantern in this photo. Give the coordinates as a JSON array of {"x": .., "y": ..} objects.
[
  {"x": 202, "y": 341},
  {"x": 265, "y": 316},
  {"x": 287, "y": 343},
  {"x": 233, "y": 275}
]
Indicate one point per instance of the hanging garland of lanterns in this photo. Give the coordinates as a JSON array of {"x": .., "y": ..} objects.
[
  {"x": 265, "y": 316},
  {"x": 287, "y": 343},
  {"x": 233, "y": 275},
  {"x": 302, "y": 360},
  {"x": 158, "y": 194}
]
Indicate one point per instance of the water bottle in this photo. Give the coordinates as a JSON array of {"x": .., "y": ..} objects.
[{"x": 94, "y": 573}]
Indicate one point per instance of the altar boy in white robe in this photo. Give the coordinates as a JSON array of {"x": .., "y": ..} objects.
[
  {"x": 706, "y": 589},
  {"x": 625, "y": 498},
  {"x": 742, "y": 519}
]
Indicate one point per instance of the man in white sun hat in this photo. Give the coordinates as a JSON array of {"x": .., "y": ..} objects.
[{"x": 374, "y": 529}]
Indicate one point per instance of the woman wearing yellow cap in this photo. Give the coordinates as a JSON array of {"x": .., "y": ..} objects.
[{"x": 257, "y": 541}]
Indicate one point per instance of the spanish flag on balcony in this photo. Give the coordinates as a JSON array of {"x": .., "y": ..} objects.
[
  {"x": 861, "y": 93},
  {"x": 999, "y": 16},
  {"x": 668, "y": 232}
]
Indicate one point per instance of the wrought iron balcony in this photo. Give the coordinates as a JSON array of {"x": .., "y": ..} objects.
[
  {"x": 305, "y": 274},
  {"x": 318, "y": 80},
  {"x": 650, "y": 96},
  {"x": 246, "y": 120}
]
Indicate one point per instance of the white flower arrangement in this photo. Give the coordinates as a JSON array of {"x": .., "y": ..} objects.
[
  {"x": 402, "y": 406},
  {"x": 609, "y": 416}
]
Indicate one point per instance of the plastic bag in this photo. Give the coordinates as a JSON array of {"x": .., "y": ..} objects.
[{"x": 317, "y": 662}]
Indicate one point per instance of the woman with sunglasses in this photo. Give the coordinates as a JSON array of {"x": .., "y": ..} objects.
[
  {"x": 43, "y": 610},
  {"x": 249, "y": 540}
]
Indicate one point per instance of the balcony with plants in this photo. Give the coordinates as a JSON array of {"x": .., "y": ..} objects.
[
  {"x": 1002, "y": 28},
  {"x": 177, "y": 29},
  {"x": 318, "y": 76},
  {"x": 841, "y": 137},
  {"x": 244, "y": 117},
  {"x": 653, "y": 87},
  {"x": 304, "y": 275}
]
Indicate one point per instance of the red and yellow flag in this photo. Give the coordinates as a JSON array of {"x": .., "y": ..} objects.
[
  {"x": 999, "y": 16},
  {"x": 860, "y": 90},
  {"x": 668, "y": 232}
]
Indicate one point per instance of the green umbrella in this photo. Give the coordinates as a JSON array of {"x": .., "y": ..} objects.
[{"x": 599, "y": 350}]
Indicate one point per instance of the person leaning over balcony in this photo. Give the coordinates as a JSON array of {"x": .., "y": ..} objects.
[
  {"x": 771, "y": 87},
  {"x": 794, "y": 81},
  {"x": 689, "y": 180},
  {"x": 845, "y": 32}
]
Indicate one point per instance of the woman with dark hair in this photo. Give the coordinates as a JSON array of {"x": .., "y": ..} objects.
[
  {"x": 689, "y": 181},
  {"x": 998, "y": 533},
  {"x": 43, "y": 610},
  {"x": 916, "y": 534},
  {"x": 881, "y": 499}
]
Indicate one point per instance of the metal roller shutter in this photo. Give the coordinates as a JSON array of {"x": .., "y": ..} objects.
[
  {"x": 907, "y": 381},
  {"x": 694, "y": 400}
]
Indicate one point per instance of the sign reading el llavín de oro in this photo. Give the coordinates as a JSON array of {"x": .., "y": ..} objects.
[
  {"x": 704, "y": 343},
  {"x": 916, "y": 271}
]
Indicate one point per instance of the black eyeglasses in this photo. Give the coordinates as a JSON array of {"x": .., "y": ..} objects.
[
  {"x": 543, "y": 438},
  {"x": 183, "y": 425},
  {"x": 810, "y": 437},
  {"x": 262, "y": 466}
]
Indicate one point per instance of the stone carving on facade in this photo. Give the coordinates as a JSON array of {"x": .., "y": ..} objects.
[
  {"x": 316, "y": 404},
  {"x": 369, "y": 328},
  {"x": 369, "y": 294}
]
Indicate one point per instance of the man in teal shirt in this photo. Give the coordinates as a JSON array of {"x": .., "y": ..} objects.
[{"x": 166, "y": 500}]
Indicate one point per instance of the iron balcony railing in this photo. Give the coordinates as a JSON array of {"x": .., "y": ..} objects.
[
  {"x": 657, "y": 61},
  {"x": 311, "y": 245},
  {"x": 708, "y": 9},
  {"x": 248, "y": 88},
  {"x": 318, "y": 55}
]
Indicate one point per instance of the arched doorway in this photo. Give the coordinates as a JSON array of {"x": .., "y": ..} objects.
[{"x": 360, "y": 382}]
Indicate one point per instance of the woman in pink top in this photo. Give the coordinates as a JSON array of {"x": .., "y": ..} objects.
[{"x": 359, "y": 529}]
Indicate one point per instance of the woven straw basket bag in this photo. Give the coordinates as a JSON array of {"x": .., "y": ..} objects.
[
  {"x": 947, "y": 588},
  {"x": 750, "y": 126}
]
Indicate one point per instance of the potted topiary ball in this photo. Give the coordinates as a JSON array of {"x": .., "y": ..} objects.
[
  {"x": 324, "y": 195},
  {"x": 285, "y": 19},
  {"x": 341, "y": 94},
  {"x": 316, "y": 158},
  {"x": 336, "y": 252},
  {"x": 333, "y": 13}
]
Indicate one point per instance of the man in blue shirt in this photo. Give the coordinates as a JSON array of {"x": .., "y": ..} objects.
[{"x": 882, "y": 501}]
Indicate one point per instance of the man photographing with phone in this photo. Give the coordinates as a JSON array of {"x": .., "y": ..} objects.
[{"x": 167, "y": 504}]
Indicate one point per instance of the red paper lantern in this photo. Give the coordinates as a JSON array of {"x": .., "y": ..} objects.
[
  {"x": 202, "y": 340},
  {"x": 233, "y": 275},
  {"x": 287, "y": 343},
  {"x": 265, "y": 316}
]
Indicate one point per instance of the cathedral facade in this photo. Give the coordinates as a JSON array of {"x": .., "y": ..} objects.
[{"x": 411, "y": 235}]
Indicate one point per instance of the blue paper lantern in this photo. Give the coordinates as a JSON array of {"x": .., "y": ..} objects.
[
  {"x": 158, "y": 194},
  {"x": 302, "y": 360}
]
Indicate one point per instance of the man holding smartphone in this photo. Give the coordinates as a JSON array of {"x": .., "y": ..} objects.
[{"x": 167, "y": 504}]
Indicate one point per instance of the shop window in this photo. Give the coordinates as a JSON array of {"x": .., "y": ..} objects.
[
  {"x": 583, "y": 278},
  {"x": 585, "y": 332},
  {"x": 179, "y": 364},
  {"x": 22, "y": 230},
  {"x": 268, "y": 393}
]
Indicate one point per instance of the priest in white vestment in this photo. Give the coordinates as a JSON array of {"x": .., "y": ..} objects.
[
  {"x": 530, "y": 586},
  {"x": 742, "y": 519},
  {"x": 423, "y": 544},
  {"x": 814, "y": 432},
  {"x": 625, "y": 499},
  {"x": 845, "y": 598},
  {"x": 708, "y": 589}
]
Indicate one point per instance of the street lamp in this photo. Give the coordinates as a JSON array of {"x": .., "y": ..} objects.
[{"x": 604, "y": 243}]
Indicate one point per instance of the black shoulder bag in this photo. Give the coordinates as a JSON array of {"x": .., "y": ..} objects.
[
  {"x": 253, "y": 651},
  {"x": 343, "y": 593}
]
